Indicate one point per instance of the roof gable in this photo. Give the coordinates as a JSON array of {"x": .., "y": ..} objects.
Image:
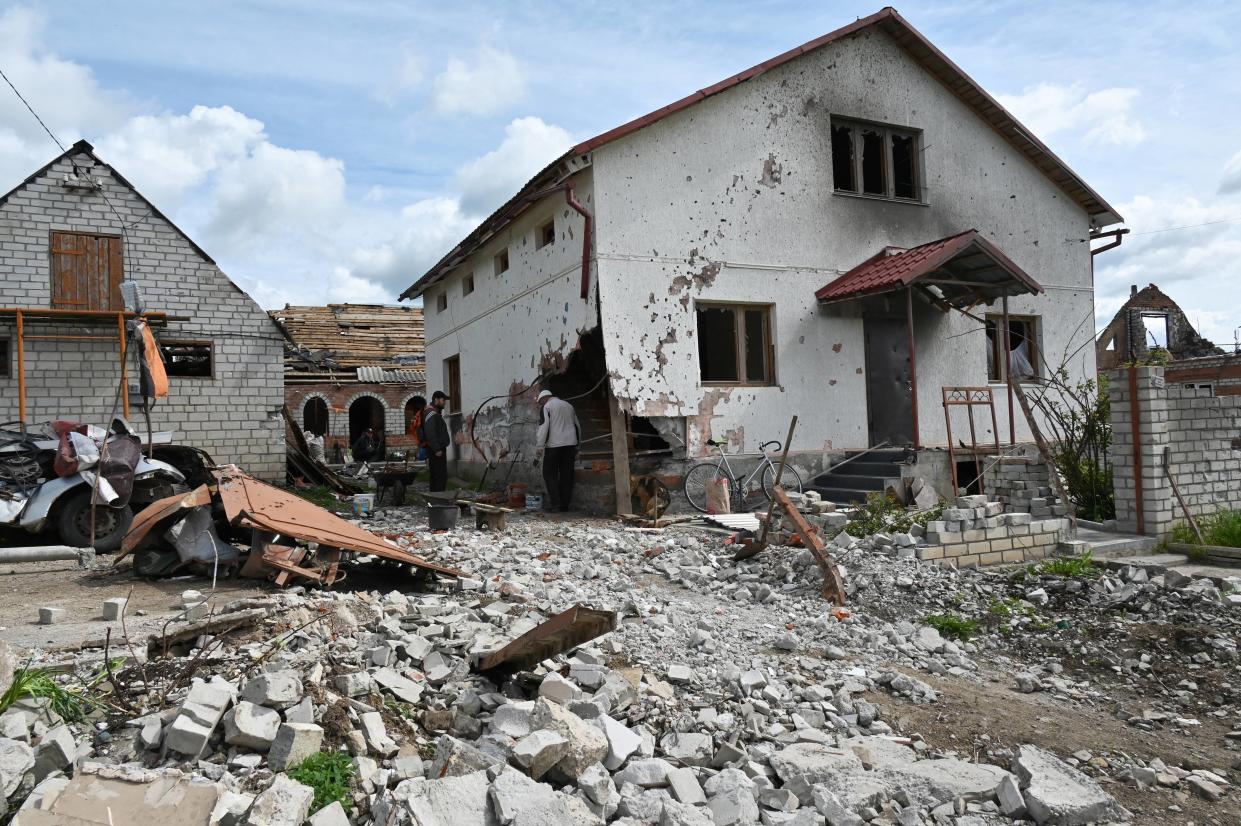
[{"x": 907, "y": 37}]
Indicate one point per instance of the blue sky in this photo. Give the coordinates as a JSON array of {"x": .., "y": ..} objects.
[{"x": 331, "y": 151}]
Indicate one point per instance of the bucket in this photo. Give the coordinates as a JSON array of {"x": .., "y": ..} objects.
[
  {"x": 363, "y": 504},
  {"x": 517, "y": 495},
  {"x": 442, "y": 517},
  {"x": 534, "y": 503}
]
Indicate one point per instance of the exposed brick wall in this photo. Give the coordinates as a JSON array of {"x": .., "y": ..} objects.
[
  {"x": 1201, "y": 430},
  {"x": 233, "y": 415},
  {"x": 340, "y": 396}
]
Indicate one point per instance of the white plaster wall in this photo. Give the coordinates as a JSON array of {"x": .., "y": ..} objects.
[
  {"x": 732, "y": 200},
  {"x": 518, "y": 325}
]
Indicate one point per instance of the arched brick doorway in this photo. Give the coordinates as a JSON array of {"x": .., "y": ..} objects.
[
  {"x": 314, "y": 416},
  {"x": 364, "y": 412}
]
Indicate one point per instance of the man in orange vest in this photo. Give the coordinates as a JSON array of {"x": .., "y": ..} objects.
[{"x": 415, "y": 427}]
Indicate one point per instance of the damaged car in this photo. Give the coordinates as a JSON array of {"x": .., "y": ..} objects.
[{"x": 47, "y": 480}]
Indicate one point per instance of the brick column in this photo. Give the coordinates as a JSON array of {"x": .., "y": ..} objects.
[{"x": 1153, "y": 436}]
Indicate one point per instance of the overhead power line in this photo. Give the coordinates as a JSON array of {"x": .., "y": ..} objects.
[
  {"x": 32, "y": 111},
  {"x": 1187, "y": 226}
]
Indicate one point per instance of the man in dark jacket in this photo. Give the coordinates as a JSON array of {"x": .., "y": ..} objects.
[
  {"x": 365, "y": 447},
  {"x": 437, "y": 441}
]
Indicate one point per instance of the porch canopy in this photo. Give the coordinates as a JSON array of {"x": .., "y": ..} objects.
[{"x": 961, "y": 270}]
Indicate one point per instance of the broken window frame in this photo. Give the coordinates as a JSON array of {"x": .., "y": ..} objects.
[
  {"x": 997, "y": 365},
  {"x": 171, "y": 367},
  {"x": 888, "y": 170},
  {"x": 740, "y": 354},
  {"x": 545, "y": 234},
  {"x": 467, "y": 284},
  {"x": 500, "y": 263}
]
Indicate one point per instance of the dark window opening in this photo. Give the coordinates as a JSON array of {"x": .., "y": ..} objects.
[
  {"x": 452, "y": 378},
  {"x": 314, "y": 416},
  {"x": 501, "y": 262},
  {"x": 6, "y": 369},
  {"x": 467, "y": 285},
  {"x": 187, "y": 359},
  {"x": 546, "y": 234},
  {"x": 903, "y": 166},
  {"x": 872, "y": 163},
  {"x": 441, "y": 302},
  {"x": 842, "y": 158},
  {"x": 734, "y": 344},
  {"x": 1023, "y": 348},
  {"x": 970, "y": 476}
]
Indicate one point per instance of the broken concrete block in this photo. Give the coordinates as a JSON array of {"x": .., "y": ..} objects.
[
  {"x": 948, "y": 779},
  {"x": 675, "y": 813},
  {"x": 622, "y": 741},
  {"x": 1057, "y": 793},
  {"x": 647, "y": 773},
  {"x": 251, "y": 726},
  {"x": 558, "y": 689},
  {"x": 455, "y": 758},
  {"x": 462, "y": 800},
  {"x": 230, "y": 809},
  {"x": 55, "y": 752},
  {"x": 198, "y": 717},
  {"x": 284, "y": 803},
  {"x": 539, "y": 751},
  {"x": 294, "y": 742},
  {"x": 376, "y": 734},
  {"x": 1012, "y": 803},
  {"x": 197, "y": 611},
  {"x": 596, "y": 783},
  {"x": 400, "y": 687},
  {"x": 16, "y": 758},
  {"x": 687, "y": 748},
  {"x": 331, "y": 815},
  {"x": 356, "y": 684},
  {"x": 114, "y": 608},
  {"x": 803, "y": 765},
  {"x": 303, "y": 712},
  {"x": 274, "y": 689},
  {"x": 520, "y": 801},
  {"x": 512, "y": 719},
  {"x": 684, "y": 786},
  {"x": 731, "y": 798},
  {"x": 587, "y": 744},
  {"x": 51, "y": 616}
]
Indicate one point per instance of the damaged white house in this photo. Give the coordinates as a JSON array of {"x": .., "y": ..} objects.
[
  {"x": 840, "y": 232},
  {"x": 70, "y": 234}
]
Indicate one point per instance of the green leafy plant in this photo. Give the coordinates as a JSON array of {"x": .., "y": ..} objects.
[
  {"x": 882, "y": 513},
  {"x": 70, "y": 702},
  {"x": 1220, "y": 528},
  {"x": 951, "y": 626},
  {"x": 1071, "y": 566},
  {"x": 1079, "y": 420},
  {"x": 329, "y": 773},
  {"x": 1011, "y": 607}
]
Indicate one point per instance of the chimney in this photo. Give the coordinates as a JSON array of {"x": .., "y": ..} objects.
[{"x": 1133, "y": 290}]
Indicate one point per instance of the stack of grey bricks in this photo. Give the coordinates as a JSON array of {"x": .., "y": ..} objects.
[
  {"x": 233, "y": 415},
  {"x": 1201, "y": 431},
  {"x": 975, "y": 531},
  {"x": 1024, "y": 486}
]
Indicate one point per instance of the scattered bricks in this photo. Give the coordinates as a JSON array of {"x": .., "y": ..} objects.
[
  {"x": 931, "y": 552},
  {"x": 198, "y": 717},
  {"x": 294, "y": 742},
  {"x": 189, "y": 598},
  {"x": 250, "y": 726},
  {"x": 558, "y": 689},
  {"x": 55, "y": 752},
  {"x": 285, "y": 803},
  {"x": 51, "y": 616},
  {"x": 197, "y": 611},
  {"x": 376, "y": 734},
  {"x": 114, "y": 608},
  {"x": 274, "y": 689},
  {"x": 539, "y": 751}
]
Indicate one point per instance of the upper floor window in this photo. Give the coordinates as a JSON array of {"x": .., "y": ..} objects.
[
  {"x": 881, "y": 161},
  {"x": 441, "y": 302},
  {"x": 467, "y": 284},
  {"x": 86, "y": 271},
  {"x": 545, "y": 234},
  {"x": 500, "y": 262}
]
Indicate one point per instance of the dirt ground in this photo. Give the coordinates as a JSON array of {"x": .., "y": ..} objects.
[{"x": 968, "y": 712}]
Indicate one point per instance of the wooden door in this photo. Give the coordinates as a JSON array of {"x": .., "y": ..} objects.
[{"x": 86, "y": 271}]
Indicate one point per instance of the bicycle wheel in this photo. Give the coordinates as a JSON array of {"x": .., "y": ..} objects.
[
  {"x": 696, "y": 482},
  {"x": 790, "y": 481}
]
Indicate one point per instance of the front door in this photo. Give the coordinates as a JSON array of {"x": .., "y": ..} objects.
[{"x": 889, "y": 385}]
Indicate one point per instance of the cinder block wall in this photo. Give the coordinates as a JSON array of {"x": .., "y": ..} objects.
[
  {"x": 234, "y": 415},
  {"x": 1202, "y": 431}
]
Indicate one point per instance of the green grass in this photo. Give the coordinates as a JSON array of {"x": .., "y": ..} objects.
[
  {"x": 1070, "y": 566},
  {"x": 953, "y": 627},
  {"x": 73, "y": 704},
  {"x": 1011, "y": 607},
  {"x": 321, "y": 496},
  {"x": 329, "y": 773},
  {"x": 1220, "y": 528}
]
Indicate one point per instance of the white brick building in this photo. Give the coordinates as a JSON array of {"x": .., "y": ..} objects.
[{"x": 69, "y": 233}]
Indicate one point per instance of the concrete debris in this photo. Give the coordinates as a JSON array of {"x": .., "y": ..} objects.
[{"x": 735, "y": 696}]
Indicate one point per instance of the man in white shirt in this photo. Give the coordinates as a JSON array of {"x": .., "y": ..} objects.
[{"x": 558, "y": 436}]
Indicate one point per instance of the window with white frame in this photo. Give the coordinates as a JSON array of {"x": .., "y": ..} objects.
[{"x": 876, "y": 160}]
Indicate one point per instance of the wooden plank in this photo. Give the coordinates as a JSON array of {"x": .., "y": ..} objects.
[
  {"x": 620, "y": 455},
  {"x": 833, "y": 587},
  {"x": 116, "y": 271}
]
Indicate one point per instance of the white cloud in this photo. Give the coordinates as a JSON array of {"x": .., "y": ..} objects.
[
  {"x": 407, "y": 77},
  {"x": 529, "y": 144},
  {"x": 1105, "y": 116},
  {"x": 493, "y": 82},
  {"x": 1232, "y": 176},
  {"x": 425, "y": 230}
]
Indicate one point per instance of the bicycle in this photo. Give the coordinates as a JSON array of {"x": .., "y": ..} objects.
[{"x": 704, "y": 473}]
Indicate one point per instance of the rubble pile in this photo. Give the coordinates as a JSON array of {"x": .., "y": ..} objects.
[{"x": 741, "y": 697}]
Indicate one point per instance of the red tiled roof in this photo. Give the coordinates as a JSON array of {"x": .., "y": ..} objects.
[
  {"x": 891, "y": 23},
  {"x": 890, "y": 270}
]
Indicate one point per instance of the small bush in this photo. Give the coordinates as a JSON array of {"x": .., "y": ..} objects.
[
  {"x": 882, "y": 513},
  {"x": 329, "y": 774},
  {"x": 951, "y": 626},
  {"x": 1221, "y": 528},
  {"x": 1070, "y": 566}
]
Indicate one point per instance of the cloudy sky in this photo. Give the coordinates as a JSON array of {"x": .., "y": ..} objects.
[{"x": 328, "y": 151}]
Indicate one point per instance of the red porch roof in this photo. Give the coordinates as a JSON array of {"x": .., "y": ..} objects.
[{"x": 965, "y": 264}]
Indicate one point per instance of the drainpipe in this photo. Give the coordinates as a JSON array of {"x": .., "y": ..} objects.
[
  {"x": 1117, "y": 234},
  {"x": 587, "y": 228}
]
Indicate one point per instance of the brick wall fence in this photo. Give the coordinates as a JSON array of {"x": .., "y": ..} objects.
[
  {"x": 1202, "y": 431},
  {"x": 339, "y": 396}
]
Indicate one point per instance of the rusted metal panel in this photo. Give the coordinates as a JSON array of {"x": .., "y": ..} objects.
[
  {"x": 248, "y": 501},
  {"x": 160, "y": 512},
  {"x": 560, "y": 633}
]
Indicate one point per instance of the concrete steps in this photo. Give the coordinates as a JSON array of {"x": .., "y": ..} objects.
[
  {"x": 853, "y": 481},
  {"x": 1106, "y": 545}
]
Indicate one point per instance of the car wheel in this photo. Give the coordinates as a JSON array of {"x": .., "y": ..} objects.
[{"x": 73, "y": 523}]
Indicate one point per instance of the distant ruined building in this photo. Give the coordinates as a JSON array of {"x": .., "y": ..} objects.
[{"x": 1149, "y": 320}]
